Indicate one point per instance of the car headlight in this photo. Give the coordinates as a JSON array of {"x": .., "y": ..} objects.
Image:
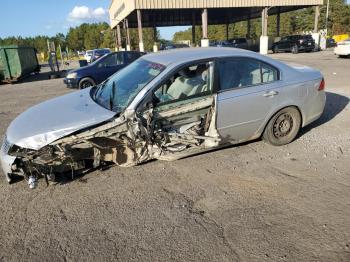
[{"x": 72, "y": 75}]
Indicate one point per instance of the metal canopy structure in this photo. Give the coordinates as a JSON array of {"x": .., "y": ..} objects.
[
  {"x": 159, "y": 13},
  {"x": 183, "y": 17}
]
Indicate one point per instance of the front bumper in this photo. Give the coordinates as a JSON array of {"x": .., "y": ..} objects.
[
  {"x": 6, "y": 161},
  {"x": 71, "y": 82}
]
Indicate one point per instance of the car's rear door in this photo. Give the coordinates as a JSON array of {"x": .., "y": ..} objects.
[{"x": 248, "y": 92}]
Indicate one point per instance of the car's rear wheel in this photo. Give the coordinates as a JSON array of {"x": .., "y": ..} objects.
[
  {"x": 86, "y": 82},
  {"x": 283, "y": 127},
  {"x": 295, "y": 49}
]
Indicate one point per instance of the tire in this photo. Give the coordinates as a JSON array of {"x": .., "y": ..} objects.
[
  {"x": 86, "y": 82},
  {"x": 275, "y": 49},
  {"x": 295, "y": 49},
  {"x": 283, "y": 127}
]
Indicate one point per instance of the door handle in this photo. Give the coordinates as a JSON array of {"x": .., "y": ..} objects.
[{"x": 271, "y": 94}]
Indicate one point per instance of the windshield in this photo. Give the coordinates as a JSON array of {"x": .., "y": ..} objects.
[{"x": 119, "y": 90}]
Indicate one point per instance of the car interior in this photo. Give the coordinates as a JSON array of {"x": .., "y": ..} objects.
[{"x": 188, "y": 82}]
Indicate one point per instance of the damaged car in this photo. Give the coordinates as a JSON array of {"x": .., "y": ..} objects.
[{"x": 166, "y": 106}]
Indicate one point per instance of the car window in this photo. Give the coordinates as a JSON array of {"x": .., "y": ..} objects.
[
  {"x": 268, "y": 73},
  {"x": 242, "y": 72},
  {"x": 132, "y": 57},
  {"x": 238, "y": 73},
  {"x": 189, "y": 82},
  {"x": 111, "y": 60}
]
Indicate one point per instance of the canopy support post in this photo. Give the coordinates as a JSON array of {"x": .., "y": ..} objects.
[
  {"x": 139, "y": 22},
  {"x": 205, "y": 40}
]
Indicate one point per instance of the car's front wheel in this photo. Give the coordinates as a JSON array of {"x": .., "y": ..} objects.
[
  {"x": 283, "y": 127},
  {"x": 86, "y": 82}
]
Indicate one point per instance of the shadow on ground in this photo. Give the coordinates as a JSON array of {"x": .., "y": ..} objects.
[
  {"x": 43, "y": 76},
  {"x": 335, "y": 104}
]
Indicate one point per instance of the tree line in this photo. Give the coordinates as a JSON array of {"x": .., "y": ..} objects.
[{"x": 85, "y": 37}]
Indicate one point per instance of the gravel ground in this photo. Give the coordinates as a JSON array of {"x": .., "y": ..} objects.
[{"x": 251, "y": 202}]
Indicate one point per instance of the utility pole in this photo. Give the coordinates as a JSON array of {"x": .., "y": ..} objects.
[
  {"x": 317, "y": 14},
  {"x": 327, "y": 15}
]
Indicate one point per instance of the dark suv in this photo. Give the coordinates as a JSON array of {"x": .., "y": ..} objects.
[
  {"x": 240, "y": 43},
  {"x": 294, "y": 44}
]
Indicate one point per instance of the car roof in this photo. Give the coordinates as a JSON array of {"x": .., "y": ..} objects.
[
  {"x": 101, "y": 49},
  {"x": 198, "y": 53}
]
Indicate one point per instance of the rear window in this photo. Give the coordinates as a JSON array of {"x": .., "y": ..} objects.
[
  {"x": 307, "y": 37},
  {"x": 101, "y": 52},
  {"x": 244, "y": 72}
]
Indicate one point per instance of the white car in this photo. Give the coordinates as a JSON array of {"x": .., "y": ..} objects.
[
  {"x": 88, "y": 55},
  {"x": 343, "y": 48}
]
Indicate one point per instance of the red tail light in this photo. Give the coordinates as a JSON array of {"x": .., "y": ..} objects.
[{"x": 322, "y": 85}]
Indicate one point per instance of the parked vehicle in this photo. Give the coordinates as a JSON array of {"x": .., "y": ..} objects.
[
  {"x": 81, "y": 53},
  {"x": 343, "y": 48},
  {"x": 294, "y": 44},
  {"x": 223, "y": 44},
  {"x": 165, "y": 105},
  {"x": 98, "y": 53},
  {"x": 88, "y": 55},
  {"x": 170, "y": 46},
  {"x": 240, "y": 43},
  {"x": 100, "y": 70},
  {"x": 330, "y": 42}
]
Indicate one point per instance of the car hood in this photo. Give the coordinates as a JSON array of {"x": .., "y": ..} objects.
[
  {"x": 44, "y": 123},
  {"x": 81, "y": 70}
]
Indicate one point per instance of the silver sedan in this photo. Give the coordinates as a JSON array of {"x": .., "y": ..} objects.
[{"x": 166, "y": 106}]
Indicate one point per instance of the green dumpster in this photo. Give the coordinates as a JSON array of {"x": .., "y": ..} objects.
[{"x": 17, "y": 62}]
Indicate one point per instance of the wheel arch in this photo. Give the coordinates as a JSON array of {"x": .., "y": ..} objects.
[
  {"x": 267, "y": 120},
  {"x": 83, "y": 78}
]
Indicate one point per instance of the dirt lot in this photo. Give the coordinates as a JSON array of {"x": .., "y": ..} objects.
[{"x": 252, "y": 202}]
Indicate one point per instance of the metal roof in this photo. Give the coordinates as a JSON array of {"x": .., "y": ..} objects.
[{"x": 179, "y": 12}]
